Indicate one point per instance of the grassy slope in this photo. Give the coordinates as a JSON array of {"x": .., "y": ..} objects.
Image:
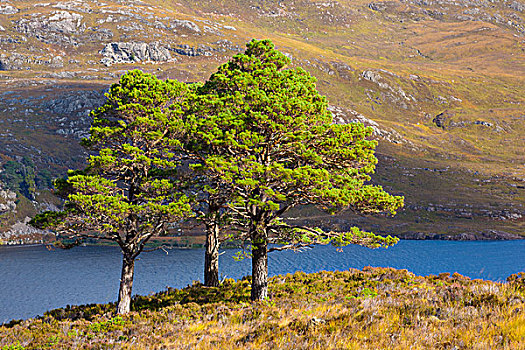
[
  {"x": 376, "y": 308},
  {"x": 429, "y": 63}
]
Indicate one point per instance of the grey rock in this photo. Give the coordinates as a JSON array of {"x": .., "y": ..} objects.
[
  {"x": 99, "y": 34},
  {"x": 184, "y": 24},
  {"x": 131, "y": 52},
  {"x": 345, "y": 116},
  {"x": 395, "y": 91},
  {"x": 518, "y": 6},
  {"x": 371, "y": 76},
  {"x": 59, "y": 75},
  {"x": 15, "y": 61},
  {"x": 59, "y": 27},
  {"x": 380, "y": 6},
  {"x": 65, "y": 22},
  {"x": 130, "y": 27},
  {"x": 21, "y": 228},
  {"x": 11, "y": 40},
  {"x": 79, "y": 6},
  {"x": 67, "y": 112},
  {"x": 484, "y": 123},
  {"x": 212, "y": 30},
  {"x": 8, "y": 10},
  {"x": 226, "y": 45},
  {"x": 57, "y": 62},
  {"x": 187, "y": 50},
  {"x": 8, "y": 194}
]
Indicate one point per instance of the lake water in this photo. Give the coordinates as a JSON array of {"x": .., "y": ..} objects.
[{"x": 34, "y": 279}]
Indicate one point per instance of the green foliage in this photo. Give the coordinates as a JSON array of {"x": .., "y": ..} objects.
[
  {"x": 16, "y": 346},
  {"x": 20, "y": 176},
  {"x": 269, "y": 135},
  {"x": 130, "y": 190},
  {"x": 48, "y": 219},
  {"x": 126, "y": 194},
  {"x": 106, "y": 326},
  {"x": 44, "y": 179}
]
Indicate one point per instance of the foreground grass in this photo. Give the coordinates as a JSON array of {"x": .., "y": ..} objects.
[{"x": 376, "y": 308}]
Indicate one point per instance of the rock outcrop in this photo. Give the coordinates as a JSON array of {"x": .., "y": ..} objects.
[
  {"x": 131, "y": 52},
  {"x": 14, "y": 61},
  {"x": 7, "y": 201},
  {"x": 184, "y": 24},
  {"x": 442, "y": 120},
  {"x": 59, "y": 27},
  {"x": 8, "y": 9}
]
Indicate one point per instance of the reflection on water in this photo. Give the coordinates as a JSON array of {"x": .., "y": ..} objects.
[{"x": 35, "y": 280}]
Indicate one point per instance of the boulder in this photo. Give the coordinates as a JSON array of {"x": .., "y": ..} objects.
[
  {"x": 13, "y": 62},
  {"x": 8, "y": 10},
  {"x": 518, "y": 6},
  {"x": 131, "y": 52},
  {"x": 184, "y": 24},
  {"x": 442, "y": 120},
  {"x": 371, "y": 76},
  {"x": 65, "y": 22}
]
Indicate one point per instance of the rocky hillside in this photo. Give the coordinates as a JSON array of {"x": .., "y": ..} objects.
[{"x": 442, "y": 83}]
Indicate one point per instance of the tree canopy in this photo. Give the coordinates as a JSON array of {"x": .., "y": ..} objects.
[
  {"x": 273, "y": 140},
  {"x": 248, "y": 145},
  {"x": 131, "y": 188}
]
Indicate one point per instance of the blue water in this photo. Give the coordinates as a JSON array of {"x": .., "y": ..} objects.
[{"x": 35, "y": 279}]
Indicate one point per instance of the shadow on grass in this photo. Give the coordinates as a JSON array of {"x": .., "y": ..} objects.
[{"x": 230, "y": 291}]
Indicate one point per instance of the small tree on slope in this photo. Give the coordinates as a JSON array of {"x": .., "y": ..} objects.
[
  {"x": 271, "y": 138},
  {"x": 131, "y": 189}
]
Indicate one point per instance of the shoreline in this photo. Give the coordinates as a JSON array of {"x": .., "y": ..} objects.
[{"x": 201, "y": 246}]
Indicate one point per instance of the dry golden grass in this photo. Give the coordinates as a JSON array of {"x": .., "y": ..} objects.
[{"x": 377, "y": 308}]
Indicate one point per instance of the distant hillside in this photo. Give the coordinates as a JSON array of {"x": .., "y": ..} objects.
[{"x": 442, "y": 82}]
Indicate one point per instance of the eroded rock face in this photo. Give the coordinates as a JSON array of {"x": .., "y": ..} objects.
[
  {"x": 59, "y": 27},
  {"x": 515, "y": 5},
  {"x": 371, "y": 76},
  {"x": 7, "y": 200},
  {"x": 8, "y": 9},
  {"x": 130, "y": 52},
  {"x": 58, "y": 22},
  {"x": 65, "y": 22},
  {"x": 184, "y": 24},
  {"x": 71, "y": 112},
  {"x": 14, "y": 61}
]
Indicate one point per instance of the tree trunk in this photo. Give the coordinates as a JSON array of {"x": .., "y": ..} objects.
[
  {"x": 126, "y": 283},
  {"x": 259, "y": 269},
  {"x": 211, "y": 257}
]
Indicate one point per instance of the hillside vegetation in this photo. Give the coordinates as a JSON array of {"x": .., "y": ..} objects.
[
  {"x": 376, "y": 308},
  {"x": 442, "y": 83}
]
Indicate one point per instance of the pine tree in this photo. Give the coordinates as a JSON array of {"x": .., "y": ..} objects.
[
  {"x": 266, "y": 133},
  {"x": 131, "y": 188}
]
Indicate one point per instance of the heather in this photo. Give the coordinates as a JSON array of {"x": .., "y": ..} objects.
[{"x": 376, "y": 308}]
